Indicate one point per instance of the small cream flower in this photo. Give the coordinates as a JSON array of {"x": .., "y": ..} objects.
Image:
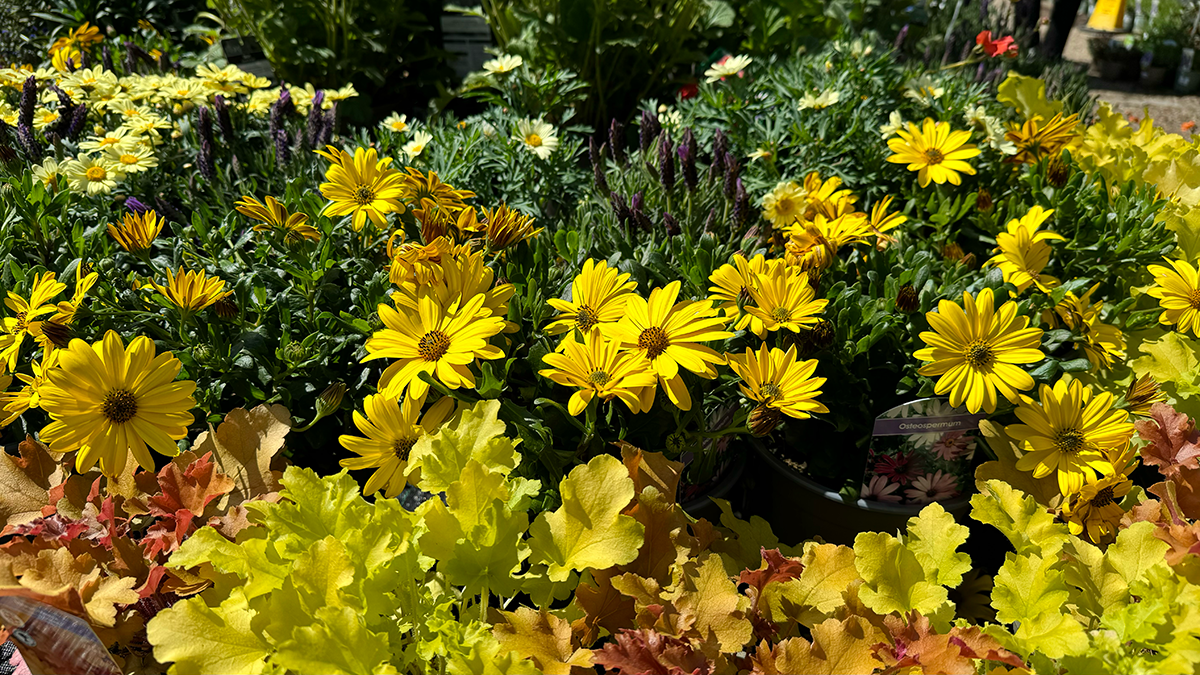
[
  {"x": 759, "y": 153},
  {"x": 923, "y": 89},
  {"x": 538, "y": 136},
  {"x": 119, "y": 139},
  {"x": 48, "y": 172},
  {"x": 824, "y": 100},
  {"x": 505, "y": 63},
  {"x": 729, "y": 67},
  {"x": 92, "y": 175},
  {"x": 395, "y": 123},
  {"x": 417, "y": 145},
  {"x": 132, "y": 160},
  {"x": 895, "y": 123}
]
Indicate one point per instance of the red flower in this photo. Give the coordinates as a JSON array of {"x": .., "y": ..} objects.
[
  {"x": 1188, "y": 126},
  {"x": 689, "y": 90},
  {"x": 899, "y": 468},
  {"x": 1005, "y": 46}
]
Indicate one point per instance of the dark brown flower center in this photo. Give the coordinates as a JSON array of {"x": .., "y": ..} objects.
[
  {"x": 979, "y": 354},
  {"x": 119, "y": 406},
  {"x": 364, "y": 195},
  {"x": 934, "y": 156},
  {"x": 654, "y": 340},
  {"x": 433, "y": 345},
  {"x": 1070, "y": 441},
  {"x": 1104, "y": 497},
  {"x": 585, "y": 318},
  {"x": 1193, "y": 298},
  {"x": 403, "y": 446}
]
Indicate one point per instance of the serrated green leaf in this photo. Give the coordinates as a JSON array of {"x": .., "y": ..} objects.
[
  {"x": 934, "y": 538},
  {"x": 894, "y": 580}
]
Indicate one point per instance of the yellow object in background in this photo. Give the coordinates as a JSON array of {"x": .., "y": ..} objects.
[{"x": 1108, "y": 15}]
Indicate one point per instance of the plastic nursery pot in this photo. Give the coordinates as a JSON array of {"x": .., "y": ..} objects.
[
  {"x": 799, "y": 508},
  {"x": 702, "y": 506}
]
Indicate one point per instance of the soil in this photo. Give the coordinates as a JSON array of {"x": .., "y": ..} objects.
[{"x": 1169, "y": 110}]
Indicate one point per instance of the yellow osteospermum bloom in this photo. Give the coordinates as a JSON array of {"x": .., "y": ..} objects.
[
  {"x": 977, "y": 350},
  {"x": 784, "y": 205},
  {"x": 275, "y": 217},
  {"x": 507, "y": 227},
  {"x": 777, "y": 380},
  {"x": 784, "y": 299},
  {"x": 395, "y": 123},
  {"x": 192, "y": 291},
  {"x": 419, "y": 187},
  {"x": 1070, "y": 432},
  {"x": 420, "y": 264},
  {"x": 598, "y": 367},
  {"x": 598, "y": 296},
  {"x": 137, "y": 231},
  {"x": 1023, "y": 251},
  {"x": 391, "y": 429},
  {"x": 1037, "y": 138},
  {"x": 1178, "y": 291},
  {"x": 22, "y": 323},
  {"x": 1104, "y": 344},
  {"x": 441, "y": 341},
  {"x": 936, "y": 152},
  {"x": 107, "y": 400},
  {"x": 537, "y": 136},
  {"x": 360, "y": 185},
  {"x": 92, "y": 175},
  {"x": 17, "y": 402},
  {"x": 731, "y": 289},
  {"x": 505, "y": 63},
  {"x": 668, "y": 335},
  {"x": 1097, "y": 508}
]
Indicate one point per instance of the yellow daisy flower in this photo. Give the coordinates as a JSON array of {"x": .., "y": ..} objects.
[
  {"x": 505, "y": 63},
  {"x": 107, "y": 400},
  {"x": 507, "y": 227},
  {"x": 776, "y": 380},
  {"x": 15, "y": 403},
  {"x": 783, "y": 205},
  {"x": 192, "y": 291},
  {"x": 420, "y": 264},
  {"x": 598, "y": 295},
  {"x": 1104, "y": 344},
  {"x": 1023, "y": 252},
  {"x": 417, "y": 145},
  {"x": 22, "y": 323},
  {"x": 598, "y": 367},
  {"x": 1069, "y": 432},
  {"x": 132, "y": 160},
  {"x": 1178, "y": 291},
  {"x": 1097, "y": 508},
  {"x": 668, "y": 335},
  {"x": 274, "y": 217},
  {"x": 731, "y": 289},
  {"x": 137, "y": 231},
  {"x": 977, "y": 351},
  {"x": 392, "y": 429},
  {"x": 360, "y": 185},
  {"x": 784, "y": 299},
  {"x": 1037, "y": 139},
  {"x": 935, "y": 151},
  {"x": 441, "y": 341}
]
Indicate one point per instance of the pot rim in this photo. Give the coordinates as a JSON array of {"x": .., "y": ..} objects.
[{"x": 955, "y": 505}]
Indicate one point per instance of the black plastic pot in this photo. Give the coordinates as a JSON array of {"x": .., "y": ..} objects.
[
  {"x": 799, "y": 508},
  {"x": 701, "y": 506}
]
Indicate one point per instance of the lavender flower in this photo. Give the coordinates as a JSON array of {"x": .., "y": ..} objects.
[
  {"x": 687, "y": 159},
  {"x": 316, "y": 119},
  {"x": 596, "y": 156},
  {"x": 106, "y": 58},
  {"x": 741, "y": 205},
  {"x": 28, "y": 101},
  {"x": 666, "y": 162},
  {"x": 900, "y": 38},
  {"x": 84, "y": 61},
  {"x": 329, "y": 125},
  {"x": 671, "y": 225},
  {"x": 616, "y": 141},
  {"x": 731, "y": 176},
  {"x": 636, "y": 203},
  {"x": 224, "y": 122},
  {"x": 283, "y": 148},
  {"x": 204, "y": 161},
  {"x": 645, "y": 137},
  {"x": 168, "y": 210},
  {"x": 710, "y": 220},
  {"x": 720, "y": 149},
  {"x": 29, "y": 142},
  {"x": 78, "y": 119},
  {"x": 620, "y": 209},
  {"x": 135, "y": 205},
  {"x": 279, "y": 109}
]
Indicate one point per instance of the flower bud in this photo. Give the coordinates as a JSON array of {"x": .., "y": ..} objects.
[
  {"x": 983, "y": 201},
  {"x": 763, "y": 420},
  {"x": 596, "y": 156},
  {"x": 671, "y": 225},
  {"x": 57, "y": 333},
  {"x": 330, "y": 399},
  {"x": 666, "y": 162},
  {"x": 1057, "y": 172},
  {"x": 226, "y": 307},
  {"x": 822, "y": 334},
  {"x": 907, "y": 300},
  {"x": 616, "y": 141}
]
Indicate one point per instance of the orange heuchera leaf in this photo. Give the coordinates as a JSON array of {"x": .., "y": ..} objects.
[
  {"x": 606, "y": 607},
  {"x": 775, "y": 568},
  {"x": 191, "y": 489},
  {"x": 1182, "y": 536},
  {"x": 837, "y": 647},
  {"x": 651, "y": 469},
  {"x": 914, "y": 644},
  {"x": 1174, "y": 442},
  {"x": 543, "y": 637},
  {"x": 243, "y": 447},
  {"x": 25, "y": 482},
  {"x": 638, "y": 652}
]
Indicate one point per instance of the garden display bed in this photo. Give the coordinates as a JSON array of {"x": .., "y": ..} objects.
[{"x": 832, "y": 362}]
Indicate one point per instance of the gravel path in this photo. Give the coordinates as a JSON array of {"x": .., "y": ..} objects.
[{"x": 1169, "y": 110}]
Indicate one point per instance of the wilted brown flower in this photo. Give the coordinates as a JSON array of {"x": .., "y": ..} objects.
[{"x": 907, "y": 300}]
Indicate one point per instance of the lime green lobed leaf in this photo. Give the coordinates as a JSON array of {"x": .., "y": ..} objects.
[
  {"x": 196, "y": 638},
  {"x": 473, "y": 434},
  {"x": 934, "y": 538},
  {"x": 894, "y": 579}
]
